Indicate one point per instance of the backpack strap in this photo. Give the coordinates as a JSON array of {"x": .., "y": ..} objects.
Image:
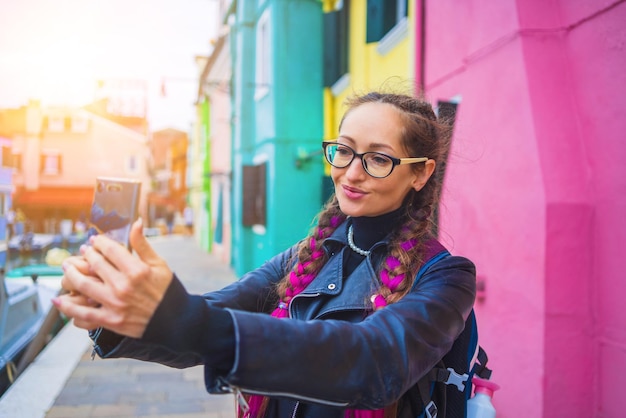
[
  {"x": 450, "y": 377},
  {"x": 430, "y": 408},
  {"x": 480, "y": 368},
  {"x": 434, "y": 252}
]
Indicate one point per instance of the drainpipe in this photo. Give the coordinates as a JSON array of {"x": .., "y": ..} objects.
[{"x": 420, "y": 56}]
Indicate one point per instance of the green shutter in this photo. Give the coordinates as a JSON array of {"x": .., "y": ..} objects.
[
  {"x": 331, "y": 48},
  {"x": 375, "y": 20}
]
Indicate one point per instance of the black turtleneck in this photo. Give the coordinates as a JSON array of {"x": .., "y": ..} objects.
[{"x": 367, "y": 231}]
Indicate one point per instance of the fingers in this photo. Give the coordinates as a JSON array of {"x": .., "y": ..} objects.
[
  {"x": 114, "y": 288},
  {"x": 105, "y": 257},
  {"x": 141, "y": 245},
  {"x": 89, "y": 317},
  {"x": 79, "y": 299},
  {"x": 80, "y": 265},
  {"x": 85, "y": 316},
  {"x": 69, "y": 300},
  {"x": 83, "y": 289},
  {"x": 78, "y": 262},
  {"x": 85, "y": 325}
]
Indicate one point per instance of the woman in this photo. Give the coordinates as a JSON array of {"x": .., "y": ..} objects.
[{"x": 360, "y": 332}]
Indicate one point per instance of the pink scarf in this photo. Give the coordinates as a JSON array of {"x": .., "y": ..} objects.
[{"x": 362, "y": 413}]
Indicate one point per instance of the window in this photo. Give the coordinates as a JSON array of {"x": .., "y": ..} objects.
[
  {"x": 7, "y": 157},
  {"x": 56, "y": 123},
  {"x": 51, "y": 163},
  {"x": 254, "y": 194},
  {"x": 132, "y": 164},
  {"x": 336, "y": 43},
  {"x": 16, "y": 159},
  {"x": 263, "y": 56},
  {"x": 178, "y": 180},
  {"x": 383, "y": 16},
  {"x": 80, "y": 124}
]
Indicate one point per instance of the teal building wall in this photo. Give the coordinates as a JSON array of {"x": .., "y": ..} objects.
[{"x": 278, "y": 120}]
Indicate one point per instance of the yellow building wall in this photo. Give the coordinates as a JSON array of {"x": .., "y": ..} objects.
[{"x": 368, "y": 68}]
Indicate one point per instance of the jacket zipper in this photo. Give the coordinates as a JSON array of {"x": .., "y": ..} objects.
[
  {"x": 241, "y": 401},
  {"x": 295, "y": 409},
  {"x": 301, "y": 295}
]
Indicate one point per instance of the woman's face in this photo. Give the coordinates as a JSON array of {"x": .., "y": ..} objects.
[{"x": 375, "y": 127}]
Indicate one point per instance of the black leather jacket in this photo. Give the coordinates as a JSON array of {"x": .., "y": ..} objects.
[{"x": 333, "y": 353}]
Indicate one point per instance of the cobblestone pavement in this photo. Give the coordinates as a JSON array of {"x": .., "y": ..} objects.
[{"x": 123, "y": 388}]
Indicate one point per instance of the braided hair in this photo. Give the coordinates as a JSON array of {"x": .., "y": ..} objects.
[{"x": 422, "y": 134}]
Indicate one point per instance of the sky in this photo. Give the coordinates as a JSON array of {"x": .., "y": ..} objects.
[{"x": 55, "y": 51}]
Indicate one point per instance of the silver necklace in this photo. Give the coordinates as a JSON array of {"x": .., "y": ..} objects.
[{"x": 353, "y": 246}]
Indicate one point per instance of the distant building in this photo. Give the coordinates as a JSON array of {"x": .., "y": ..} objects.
[
  {"x": 57, "y": 154},
  {"x": 210, "y": 191},
  {"x": 168, "y": 168},
  {"x": 6, "y": 184}
]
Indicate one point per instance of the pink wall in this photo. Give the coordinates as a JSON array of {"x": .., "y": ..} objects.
[
  {"x": 534, "y": 192},
  {"x": 596, "y": 59}
]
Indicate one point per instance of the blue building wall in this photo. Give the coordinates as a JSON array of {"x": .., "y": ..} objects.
[{"x": 279, "y": 122}]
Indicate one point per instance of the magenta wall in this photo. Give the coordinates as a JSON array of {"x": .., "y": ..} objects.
[{"x": 535, "y": 191}]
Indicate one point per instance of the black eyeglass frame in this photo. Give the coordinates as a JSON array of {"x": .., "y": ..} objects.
[{"x": 394, "y": 160}]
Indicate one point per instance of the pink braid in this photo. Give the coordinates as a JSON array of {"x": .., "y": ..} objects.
[
  {"x": 254, "y": 403},
  {"x": 408, "y": 245},
  {"x": 392, "y": 283}
]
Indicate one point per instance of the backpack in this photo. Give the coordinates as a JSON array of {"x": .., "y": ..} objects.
[{"x": 444, "y": 391}]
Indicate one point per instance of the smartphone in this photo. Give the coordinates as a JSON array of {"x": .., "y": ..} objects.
[{"x": 115, "y": 208}]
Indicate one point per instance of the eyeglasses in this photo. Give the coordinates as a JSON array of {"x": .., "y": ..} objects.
[{"x": 376, "y": 164}]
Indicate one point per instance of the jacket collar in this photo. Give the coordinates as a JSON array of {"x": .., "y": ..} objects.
[
  {"x": 339, "y": 239},
  {"x": 330, "y": 280}
]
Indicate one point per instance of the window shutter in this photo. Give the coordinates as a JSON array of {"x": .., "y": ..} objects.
[
  {"x": 375, "y": 20},
  {"x": 382, "y": 16},
  {"x": 7, "y": 160},
  {"x": 331, "y": 49},
  {"x": 254, "y": 194},
  {"x": 336, "y": 44},
  {"x": 344, "y": 38},
  {"x": 17, "y": 161}
]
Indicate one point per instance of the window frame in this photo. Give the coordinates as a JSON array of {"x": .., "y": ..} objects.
[
  {"x": 46, "y": 158},
  {"x": 263, "y": 54},
  {"x": 386, "y": 21}
]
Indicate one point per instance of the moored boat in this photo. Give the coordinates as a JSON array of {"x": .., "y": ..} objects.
[{"x": 31, "y": 278}]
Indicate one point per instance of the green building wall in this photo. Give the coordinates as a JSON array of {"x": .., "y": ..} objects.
[{"x": 206, "y": 233}]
